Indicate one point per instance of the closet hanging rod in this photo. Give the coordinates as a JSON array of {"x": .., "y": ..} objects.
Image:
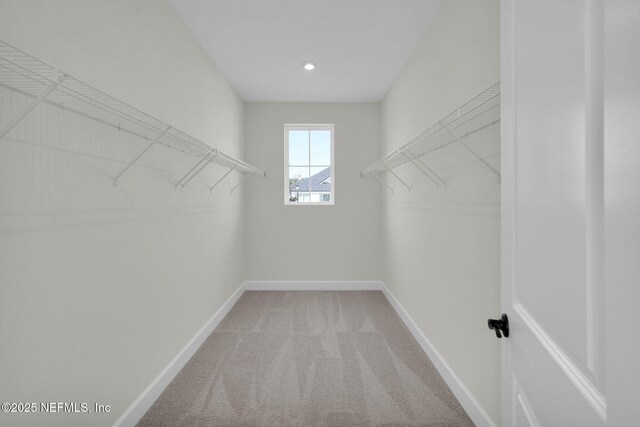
[
  {"x": 120, "y": 128},
  {"x": 479, "y": 112},
  {"x": 438, "y": 147},
  {"x": 27, "y": 75},
  {"x": 96, "y": 102},
  {"x": 399, "y": 150},
  {"x": 186, "y": 140},
  {"x": 417, "y": 140}
]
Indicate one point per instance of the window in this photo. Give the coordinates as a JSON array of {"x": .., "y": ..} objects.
[{"x": 309, "y": 168}]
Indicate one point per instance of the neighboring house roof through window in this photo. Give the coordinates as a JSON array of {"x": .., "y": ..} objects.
[{"x": 320, "y": 182}]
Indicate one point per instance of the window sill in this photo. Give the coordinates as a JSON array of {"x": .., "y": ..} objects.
[{"x": 309, "y": 203}]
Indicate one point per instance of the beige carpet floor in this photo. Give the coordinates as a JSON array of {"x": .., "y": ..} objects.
[{"x": 308, "y": 359}]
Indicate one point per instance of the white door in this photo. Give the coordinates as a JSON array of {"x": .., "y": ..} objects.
[{"x": 571, "y": 212}]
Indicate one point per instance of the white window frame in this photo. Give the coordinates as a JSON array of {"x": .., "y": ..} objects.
[{"x": 309, "y": 127}]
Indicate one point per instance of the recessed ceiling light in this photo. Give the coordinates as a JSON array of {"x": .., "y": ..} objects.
[{"x": 309, "y": 66}]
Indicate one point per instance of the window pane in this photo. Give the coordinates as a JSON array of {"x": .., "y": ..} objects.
[
  {"x": 298, "y": 182},
  {"x": 320, "y": 147},
  {"x": 298, "y": 147},
  {"x": 309, "y": 152},
  {"x": 320, "y": 182},
  {"x": 298, "y": 174}
]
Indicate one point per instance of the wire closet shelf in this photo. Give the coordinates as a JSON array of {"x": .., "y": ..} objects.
[
  {"x": 25, "y": 74},
  {"x": 478, "y": 113}
]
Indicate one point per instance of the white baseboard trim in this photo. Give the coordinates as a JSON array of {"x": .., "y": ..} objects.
[
  {"x": 273, "y": 285},
  {"x": 477, "y": 414},
  {"x": 141, "y": 405}
]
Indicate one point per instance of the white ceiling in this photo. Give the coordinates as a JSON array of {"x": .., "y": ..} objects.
[{"x": 359, "y": 46}]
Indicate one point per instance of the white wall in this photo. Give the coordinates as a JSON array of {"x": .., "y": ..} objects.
[
  {"x": 442, "y": 247},
  {"x": 100, "y": 287},
  {"x": 339, "y": 242}
]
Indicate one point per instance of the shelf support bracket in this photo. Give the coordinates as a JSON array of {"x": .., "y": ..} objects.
[
  {"x": 202, "y": 160},
  {"x": 472, "y": 152},
  {"x": 427, "y": 168},
  {"x": 244, "y": 177},
  {"x": 209, "y": 157},
  {"x": 397, "y": 177},
  {"x": 377, "y": 177},
  {"x": 424, "y": 172},
  {"x": 7, "y": 128},
  {"x": 132, "y": 162},
  {"x": 220, "y": 180}
]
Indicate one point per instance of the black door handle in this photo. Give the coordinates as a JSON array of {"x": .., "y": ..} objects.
[{"x": 501, "y": 324}]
